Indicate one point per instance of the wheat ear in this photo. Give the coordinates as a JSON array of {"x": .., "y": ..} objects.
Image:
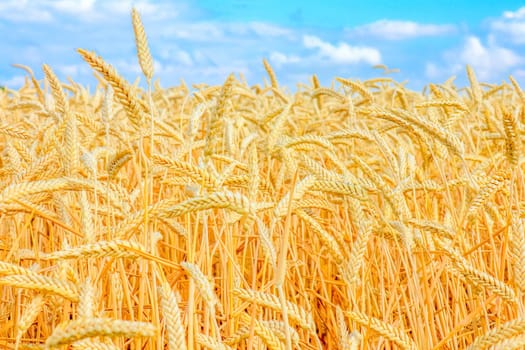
[
  {"x": 171, "y": 312},
  {"x": 510, "y": 126},
  {"x": 12, "y": 269},
  {"x": 86, "y": 304},
  {"x": 141, "y": 41},
  {"x": 56, "y": 89},
  {"x": 323, "y": 235},
  {"x": 514, "y": 343},
  {"x": 364, "y": 231},
  {"x": 203, "y": 285},
  {"x": 271, "y": 74},
  {"x": 295, "y": 312},
  {"x": 267, "y": 335},
  {"x": 44, "y": 284},
  {"x": 82, "y": 328},
  {"x": 386, "y": 330},
  {"x": 30, "y": 313},
  {"x": 496, "y": 182},
  {"x": 121, "y": 87},
  {"x": 210, "y": 343},
  {"x": 476, "y": 277},
  {"x": 475, "y": 88},
  {"x": 39, "y": 92},
  {"x": 517, "y": 249},
  {"x": 116, "y": 249},
  {"x": 92, "y": 344},
  {"x": 498, "y": 334}
]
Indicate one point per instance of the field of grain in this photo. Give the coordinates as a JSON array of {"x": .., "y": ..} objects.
[{"x": 358, "y": 216}]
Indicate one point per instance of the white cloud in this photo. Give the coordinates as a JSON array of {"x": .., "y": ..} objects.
[
  {"x": 214, "y": 31},
  {"x": 511, "y": 26},
  {"x": 73, "y": 6},
  {"x": 15, "y": 82},
  {"x": 518, "y": 14},
  {"x": 398, "y": 30},
  {"x": 22, "y": 11},
  {"x": 342, "y": 53},
  {"x": 87, "y": 10},
  {"x": 432, "y": 71},
  {"x": 127, "y": 67},
  {"x": 280, "y": 59},
  {"x": 71, "y": 70},
  {"x": 172, "y": 54},
  {"x": 266, "y": 29},
  {"x": 489, "y": 61},
  {"x": 196, "y": 31},
  {"x": 183, "y": 57}
]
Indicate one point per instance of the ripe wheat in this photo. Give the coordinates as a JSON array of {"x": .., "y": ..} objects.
[{"x": 249, "y": 217}]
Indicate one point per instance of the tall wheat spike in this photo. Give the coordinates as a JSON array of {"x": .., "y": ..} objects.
[{"x": 143, "y": 52}]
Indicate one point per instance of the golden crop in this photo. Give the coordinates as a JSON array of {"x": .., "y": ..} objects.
[{"x": 362, "y": 216}]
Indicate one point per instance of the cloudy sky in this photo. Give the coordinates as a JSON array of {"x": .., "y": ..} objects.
[{"x": 202, "y": 41}]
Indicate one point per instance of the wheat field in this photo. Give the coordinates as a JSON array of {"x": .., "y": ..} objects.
[{"x": 362, "y": 215}]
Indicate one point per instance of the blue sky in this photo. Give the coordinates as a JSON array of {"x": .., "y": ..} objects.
[{"x": 202, "y": 41}]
